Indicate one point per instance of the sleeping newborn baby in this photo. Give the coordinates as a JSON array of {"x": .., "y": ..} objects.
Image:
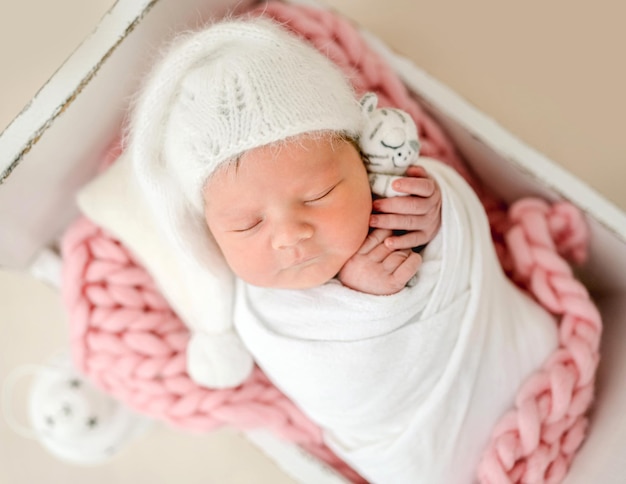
[{"x": 244, "y": 144}]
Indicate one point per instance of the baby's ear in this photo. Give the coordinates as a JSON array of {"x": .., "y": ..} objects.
[{"x": 369, "y": 102}]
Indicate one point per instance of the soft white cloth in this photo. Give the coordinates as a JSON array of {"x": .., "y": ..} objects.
[{"x": 407, "y": 387}]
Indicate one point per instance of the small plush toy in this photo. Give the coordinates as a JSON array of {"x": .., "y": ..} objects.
[
  {"x": 71, "y": 418},
  {"x": 389, "y": 144}
]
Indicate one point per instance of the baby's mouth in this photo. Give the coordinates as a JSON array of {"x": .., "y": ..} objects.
[{"x": 304, "y": 261}]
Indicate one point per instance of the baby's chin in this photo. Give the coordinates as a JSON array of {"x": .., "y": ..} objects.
[{"x": 298, "y": 278}]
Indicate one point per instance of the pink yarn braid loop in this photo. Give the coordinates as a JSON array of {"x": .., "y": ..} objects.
[
  {"x": 548, "y": 424},
  {"x": 566, "y": 226},
  {"x": 129, "y": 342}
]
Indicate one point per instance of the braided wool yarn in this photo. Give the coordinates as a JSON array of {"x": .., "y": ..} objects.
[
  {"x": 537, "y": 439},
  {"x": 131, "y": 344}
]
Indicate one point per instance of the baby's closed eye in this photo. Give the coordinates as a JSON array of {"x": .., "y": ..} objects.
[
  {"x": 247, "y": 226},
  {"x": 321, "y": 196}
]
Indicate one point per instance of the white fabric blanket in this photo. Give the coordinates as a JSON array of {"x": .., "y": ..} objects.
[{"x": 406, "y": 387}]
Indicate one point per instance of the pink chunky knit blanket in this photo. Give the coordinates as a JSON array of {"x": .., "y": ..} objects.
[{"x": 128, "y": 340}]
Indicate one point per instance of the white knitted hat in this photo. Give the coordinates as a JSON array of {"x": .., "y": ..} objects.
[{"x": 217, "y": 93}]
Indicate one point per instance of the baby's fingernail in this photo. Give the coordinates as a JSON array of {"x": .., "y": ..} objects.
[
  {"x": 389, "y": 243},
  {"x": 373, "y": 219}
]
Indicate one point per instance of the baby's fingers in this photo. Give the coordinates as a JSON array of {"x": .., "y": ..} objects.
[
  {"x": 394, "y": 221},
  {"x": 374, "y": 241},
  {"x": 416, "y": 171},
  {"x": 408, "y": 240},
  {"x": 407, "y": 205},
  {"x": 402, "y": 265},
  {"x": 418, "y": 186}
]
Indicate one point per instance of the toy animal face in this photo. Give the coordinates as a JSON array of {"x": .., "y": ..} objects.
[
  {"x": 76, "y": 421},
  {"x": 71, "y": 409},
  {"x": 389, "y": 141}
]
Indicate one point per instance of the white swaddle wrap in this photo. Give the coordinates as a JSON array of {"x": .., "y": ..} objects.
[{"x": 407, "y": 387}]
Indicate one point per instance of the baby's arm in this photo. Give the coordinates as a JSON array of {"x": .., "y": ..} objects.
[
  {"x": 419, "y": 215},
  {"x": 376, "y": 269}
]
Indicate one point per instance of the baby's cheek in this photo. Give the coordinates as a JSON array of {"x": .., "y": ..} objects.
[
  {"x": 241, "y": 261},
  {"x": 236, "y": 255},
  {"x": 352, "y": 233}
]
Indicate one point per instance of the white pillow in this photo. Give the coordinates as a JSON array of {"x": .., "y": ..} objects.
[{"x": 216, "y": 357}]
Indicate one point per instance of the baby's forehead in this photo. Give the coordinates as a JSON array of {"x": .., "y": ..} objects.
[
  {"x": 315, "y": 154},
  {"x": 299, "y": 144}
]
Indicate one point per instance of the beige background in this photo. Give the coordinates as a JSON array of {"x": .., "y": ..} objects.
[{"x": 553, "y": 73}]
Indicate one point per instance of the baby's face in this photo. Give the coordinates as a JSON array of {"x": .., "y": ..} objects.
[{"x": 290, "y": 216}]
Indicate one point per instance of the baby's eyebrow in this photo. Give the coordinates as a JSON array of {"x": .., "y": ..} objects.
[
  {"x": 230, "y": 216},
  {"x": 222, "y": 213}
]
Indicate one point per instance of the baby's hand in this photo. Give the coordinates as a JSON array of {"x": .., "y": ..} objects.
[
  {"x": 419, "y": 214},
  {"x": 376, "y": 269}
]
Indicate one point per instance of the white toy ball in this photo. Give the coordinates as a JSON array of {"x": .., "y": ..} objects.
[{"x": 74, "y": 420}]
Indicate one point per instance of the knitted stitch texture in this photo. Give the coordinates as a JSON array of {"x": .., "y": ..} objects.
[{"x": 127, "y": 339}]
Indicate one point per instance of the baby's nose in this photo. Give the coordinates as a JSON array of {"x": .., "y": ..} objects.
[{"x": 290, "y": 233}]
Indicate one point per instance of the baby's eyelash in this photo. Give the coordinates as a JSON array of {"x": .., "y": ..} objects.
[
  {"x": 249, "y": 227},
  {"x": 326, "y": 193}
]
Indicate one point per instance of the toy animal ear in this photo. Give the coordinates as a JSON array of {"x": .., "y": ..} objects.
[{"x": 369, "y": 102}]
